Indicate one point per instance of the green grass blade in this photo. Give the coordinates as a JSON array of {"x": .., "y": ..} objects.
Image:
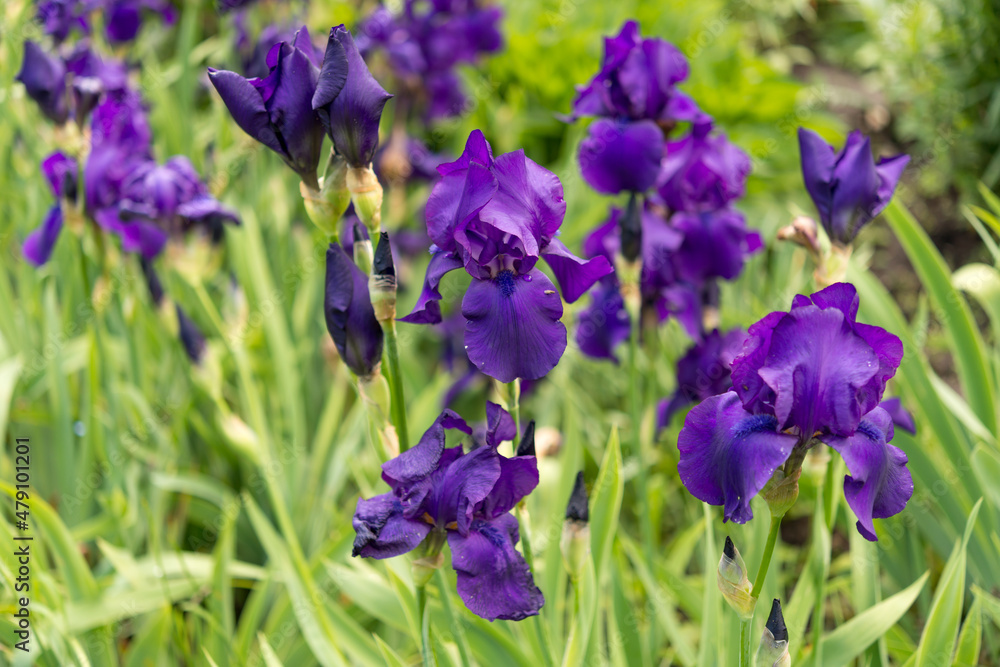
[
  {"x": 606, "y": 502},
  {"x": 970, "y": 641}
]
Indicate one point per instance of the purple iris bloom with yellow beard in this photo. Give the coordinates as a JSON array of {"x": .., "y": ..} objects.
[
  {"x": 813, "y": 374},
  {"x": 497, "y": 217},
  {"x": 440, "y": 493}
]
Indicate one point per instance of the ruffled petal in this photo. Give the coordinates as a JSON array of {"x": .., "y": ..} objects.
[
  {"x": 142, "y": 237},
  {"x": 466, "y": 483},
  {"x": 455, "y": 199},
  {"x": 575, "y": 275},
  {"x": 428, "y": 308},
  {"x": 499, "y": 425},
  {"x": 880, "y": 484},
  {"x": 818, "y": 161},
  {"x": 381, "y": 530},
  {"x": 518, "y": 478},
  {"x": 494, "y": 580},
  {"x": 727, "y": 455},
  {"x": 855, "y": 190},
  {"x": 621, "y": 157},
  {"x": 513, "y": 328},
  {"x": 528, "y": 203}
]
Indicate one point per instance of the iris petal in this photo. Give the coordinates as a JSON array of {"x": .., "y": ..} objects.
[{"x": 381, "y": 530}]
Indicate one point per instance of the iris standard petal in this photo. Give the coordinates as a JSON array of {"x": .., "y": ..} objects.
[
  {"x": 494, "y": 580},
  {"x": 518, "y": 478},
  {"x": 351, "y": 116},
  {"x": 381, "y": 530},
  {"x": 247, "y": 108},
  {"x": 818, "y": 162},
  {"x": 499, "y": 425},
  {"x": 528, "y": 203},
  {"x": 855, "y": 188},
  {"x": 466, "y": 483},
  {"x": 513, "y": 328},
  {"x": 727, "y": 455},
  {"x": 621, "y": 157},
  {"x": 879, "y": 484},
  {"x": 460, "y": 194}
]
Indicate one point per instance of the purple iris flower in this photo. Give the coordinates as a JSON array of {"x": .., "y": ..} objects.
[
  {"x": 350, "y": 317},
  {"x": 621, "y": 156},
  {"x": 123, "y": 18},
  {"x": 254, "y": 54},
  {"x": 901, "y": 417},
  {"x": 160, "y": 201},
  {"x": 348, "y": 99},
  {"x": 701, "y": 172},
  {"x": 442, "y": 493},
  {"x": 121, "y": 142},
  {"x": 702, "y": 372},
  {"x": 44, "y": 79},
  {"x": 637, "y": 81},
  {"x": 816, "y": 368},
  {"x": 60, "y": 17},
  {"x": 60, "y": 172},
  {"x": 497, "y": 217},
  {"x": 604, "y": 324},
  {"x": 276, "y": 110},
  {"x": 716, "y": 245},
  {"x": 848, "y": 187},
  {"x": 425, "y": 43}
]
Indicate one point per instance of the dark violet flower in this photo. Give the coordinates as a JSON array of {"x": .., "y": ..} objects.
[
  {"x": 637, "y": 81},
  {"x": 160, "y": 201},
  {"x": 727, "y": 454},
  {"x": 123, "y": 18},
  {"x": 701, "y": 172},
  {"x": 254, "y": 55},
  {"x": 277, "y": 110},
  {"x": 191, "y": 337},
  {"x": 716, "y": 245},
  {"x": 604, "y": 324},
  {"x": 60, "y": 172},
  {"x": 616, "y": 157},
  {"x": 440, "y": 493},
  {"x": 44, "y": 79},
  {"x": 848, "y": 187},
  {"x": 497, "y": 218},
  {"x": 879, "y": 484},
  {"x": 60, "y": 17},
  {"x": 702, "y": 372},
  {"x": 816, "y": 368},
  {"x": 350, "y": 318},
  {"x": 348, "y": 99},
  {"x": 92, "y": 77}
]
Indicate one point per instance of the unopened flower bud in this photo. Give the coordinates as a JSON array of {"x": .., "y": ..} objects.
[
  {"x": 527, "y": 445},
  {"x": 631, "y": 230},
  {"x": 363, "y": 254},
  {"x": 326, "y": 206},
  {"x": 733, "y": 581},
  {"x": 366, "y": 193},
  {"x": 773, "y": 650},
  {"x": 382, "y": 282},
  {"x": 804, "y": 232},
  {"x": 575, "y": 542},
  {"x": 240, "y": 436}
]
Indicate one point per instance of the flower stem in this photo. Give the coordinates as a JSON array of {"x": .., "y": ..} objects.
[
  {"x": 514, "y": 391},
  {"x": 425, "y": 627},
  {"x": 746, "y": 627},
  {"x": 458, "y": 630},
  {"x": 635, "y": 403},
  {"x": 765, "y": 562},
  {"x": 398, "y": 402}
]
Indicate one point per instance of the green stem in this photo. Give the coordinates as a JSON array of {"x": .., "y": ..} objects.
[
  {"x": 398, "y": 402},
  {"x": 514, "y": 391},
  {"x": 455, "y": 623},
  {"x": 765, "y": 562},
  {"x": 425, "y": 627},
  {"x": 635, "y": 403},
  {"x": 746, "y": 627}
]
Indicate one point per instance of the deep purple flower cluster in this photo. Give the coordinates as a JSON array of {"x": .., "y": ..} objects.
[
  {"x": 497, "y": 218},
  {"x": 811, "y": 374},
  {"x": 848, "y": 188},
  {"x": 122, "y": 18},
  {"x": 124, "y": 191},
  {"x": 425, "y": 43},
  {"x": 443, "y": 494},
  {"x": 304, "y": 94}
]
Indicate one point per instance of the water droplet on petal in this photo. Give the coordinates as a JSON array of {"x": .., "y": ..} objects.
[{"x": 527, "y": 279}]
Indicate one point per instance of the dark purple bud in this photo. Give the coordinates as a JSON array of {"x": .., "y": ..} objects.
[
  {"x": 277, "y": 109},
  {"x": 44, "y": 79},
  {"x": 191, "y": 337},
  {"x": 729, "y": 549},
  {"x": 527, "y": 444},
  {"x": 152, "y": 280},
  {"x": 776, "y": 623},
  {"x": 577, "y": 508},
  {"x": 348, "y": 99},
  {"x": 383, "y": 264},
  {"x": 848, "y": 187},
  {"x": 123, "y": 18},
  {"x": 631, "y": 230},
  {"x": 350, "y": 318}
]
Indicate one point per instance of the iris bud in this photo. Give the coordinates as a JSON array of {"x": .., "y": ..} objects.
[
  {"x": 773, "y": 649},
  {"x": 527, "y": 445},
  {"x": 782, "y": 490},
  {"x": 366, "y": 193},
  {"x": 382, "y": 282},
  {"x": 733, "y": 581},
  {"x": 575, "y": 542},
  {"x": 631, "y": 230}
]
